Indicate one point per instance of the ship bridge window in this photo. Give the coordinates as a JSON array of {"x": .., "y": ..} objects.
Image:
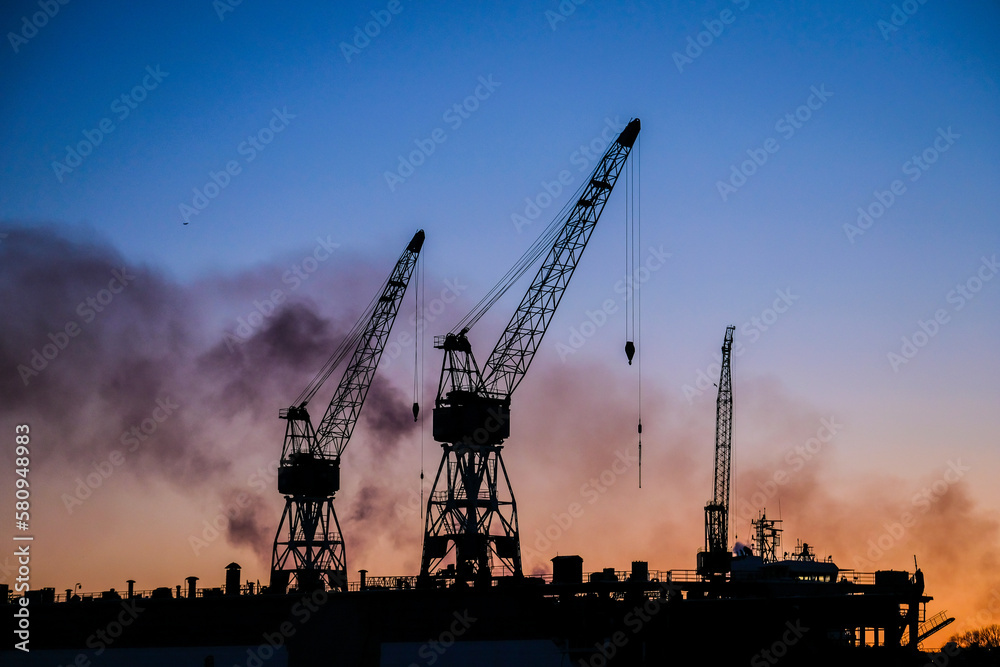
[{"x": 814, "y": 577}]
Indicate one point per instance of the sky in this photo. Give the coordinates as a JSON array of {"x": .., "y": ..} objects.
[{"x": 231, "y": 182}]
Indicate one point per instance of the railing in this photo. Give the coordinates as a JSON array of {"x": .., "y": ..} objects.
[
  {"x": 933, "y": 624},
  {"x": 459, "y": 497},
  {"x": 863, "y": 578},
  {"x": 388, "y": 583},
  {"x": 408, "y": 582},
  {"x": 249, "y": 588},
  {"x": 403, "y": 582}
]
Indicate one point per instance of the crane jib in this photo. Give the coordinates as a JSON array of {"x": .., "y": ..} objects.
[{"x": 516, "y": 348}]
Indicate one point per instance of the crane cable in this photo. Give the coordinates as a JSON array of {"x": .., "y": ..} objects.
[
  {"x": 542, "y": 245},
  {"x": 733, "y": 464},
  {"x": 418, "y": 367},
  {"x": 347, "y": 346},
  {"x": 632, "y": 291},
  {"x": 633, "y": 314},
  {"x": 637, "y": 310},
  {"x": 416, "y": 340},
  {"x": 735, "y": 476},
  {"x": 629, "y": 265}
]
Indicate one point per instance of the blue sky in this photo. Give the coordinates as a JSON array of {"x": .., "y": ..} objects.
[
  {"x": 888, "y": 95},
  {"x": 556, "y": 87}
]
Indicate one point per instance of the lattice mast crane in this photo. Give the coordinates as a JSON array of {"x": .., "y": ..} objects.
[
  {"x": 308, "y": 547},
  {"x": 471, "y": 510},
  {"x": 716, "y": 558}
]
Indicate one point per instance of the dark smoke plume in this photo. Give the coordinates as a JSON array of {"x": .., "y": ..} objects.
[{"x": 184, "y": 380}]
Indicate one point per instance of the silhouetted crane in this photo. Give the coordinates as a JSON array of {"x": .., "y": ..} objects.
[
  {"x": 716, "y": 558},
  {"x": 312, "y": 552},
  {"x": 465, "y": 512}
]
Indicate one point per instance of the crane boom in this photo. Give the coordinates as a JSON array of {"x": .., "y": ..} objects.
[
  {"x": 717, "y": 553},
  {"x": 724, "y": 430},
  {"x": 516, "y": 348},
  {"x": 334, "y": 431}
]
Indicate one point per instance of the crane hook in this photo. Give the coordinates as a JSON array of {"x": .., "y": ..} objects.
[
  {"x": 629, "y": 351},
  {"x": 416, "y": 411}
]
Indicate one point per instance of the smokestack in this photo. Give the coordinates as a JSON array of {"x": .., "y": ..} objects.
[
  {"x": 364, "y": 574},
  {"x": 131, "y": 588},
  {"x": 192, "y": 587},
  {"x": 233, "y": 579}
]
